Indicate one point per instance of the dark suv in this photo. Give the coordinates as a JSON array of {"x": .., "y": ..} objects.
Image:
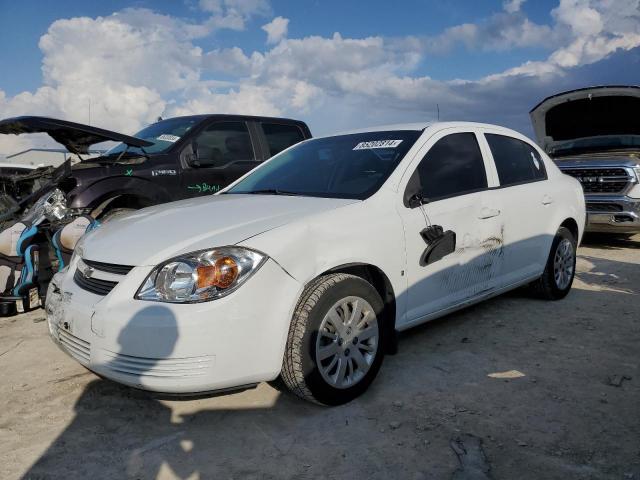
[{"x": 169, "y": 160}]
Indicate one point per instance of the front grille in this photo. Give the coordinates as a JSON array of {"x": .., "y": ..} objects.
[
  {"x": 93, "y": 285},
  {"x": 108, "y": 267},
  {"x": 600, "y": 180},
  {"x": 603, "y": 207},
  {"x": 77, "y": 348}
]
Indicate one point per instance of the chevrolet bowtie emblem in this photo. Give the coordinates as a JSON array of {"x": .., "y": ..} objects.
[{"x": 85, "y": 269}]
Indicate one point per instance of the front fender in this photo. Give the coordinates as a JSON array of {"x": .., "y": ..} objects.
[
  {"x": 354, "y": 234},
  {"x": 96, "y": 193}
]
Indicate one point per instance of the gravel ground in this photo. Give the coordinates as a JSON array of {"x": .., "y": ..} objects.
[{"x": 433, "y": 412}]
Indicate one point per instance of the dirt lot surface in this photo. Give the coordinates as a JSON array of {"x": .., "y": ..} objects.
[{"x": 433, "y": 412}]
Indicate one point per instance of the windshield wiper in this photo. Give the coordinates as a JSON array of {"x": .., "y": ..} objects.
[{"x": 271, "y": 191}]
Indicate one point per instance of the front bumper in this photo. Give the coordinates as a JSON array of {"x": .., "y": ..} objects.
[
  {"x": 176, "y": 348},
  {"x": 612, "y": 214}
]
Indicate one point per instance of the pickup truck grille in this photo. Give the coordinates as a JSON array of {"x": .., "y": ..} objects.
[
  {"x": 603, "y": 207},
  {"x": 601, "y": 180}
]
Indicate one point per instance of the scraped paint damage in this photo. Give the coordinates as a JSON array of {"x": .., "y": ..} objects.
[{"x": 479, "y": 263}]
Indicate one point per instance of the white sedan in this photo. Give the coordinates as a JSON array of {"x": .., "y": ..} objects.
[{"x": 304, "y": 269}]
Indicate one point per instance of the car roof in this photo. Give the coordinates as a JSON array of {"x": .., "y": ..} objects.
[
  {"x": 233, "y": 116},
  {"x": 421, "y": 126}
]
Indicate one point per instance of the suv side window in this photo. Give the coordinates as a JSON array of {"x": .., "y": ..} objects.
[
  {"x": 516, "y": 161},
  {"x": 280, "y": 136},
  {"x": 224, "y": 142},
  {"x": 452, "y": 166}
]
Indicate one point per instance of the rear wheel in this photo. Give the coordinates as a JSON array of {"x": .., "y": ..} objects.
[
  {"x": 334, "y": 348},
  {"x": 556, "y": 281}
]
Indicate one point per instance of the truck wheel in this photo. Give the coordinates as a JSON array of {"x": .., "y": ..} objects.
[
  {"x": 335, "y": 347},
  {"x": 556, "y": 281}
]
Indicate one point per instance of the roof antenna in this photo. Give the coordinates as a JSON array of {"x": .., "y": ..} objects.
[{"x": 438, "y": 109}]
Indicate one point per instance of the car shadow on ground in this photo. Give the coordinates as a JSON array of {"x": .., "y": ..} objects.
[
  {"x": 551, "y": 423},
  {"x": 610, "y": 241}
]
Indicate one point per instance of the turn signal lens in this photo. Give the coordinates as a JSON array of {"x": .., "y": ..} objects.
[{"x": 221, "y": 274}]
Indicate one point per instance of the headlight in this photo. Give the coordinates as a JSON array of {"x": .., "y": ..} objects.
[
  {"x": 78, "y": 251},
  {"x": 201, "y": 276}
]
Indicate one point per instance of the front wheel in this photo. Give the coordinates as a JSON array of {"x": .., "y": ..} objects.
[
  {"x": 556, "y": 281},
  {"x": 335, "y": 343}
]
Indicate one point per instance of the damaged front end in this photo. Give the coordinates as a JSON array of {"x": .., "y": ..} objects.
[
  {"x": 19, "y": 192},
  {"x": 38, "y": 230}
]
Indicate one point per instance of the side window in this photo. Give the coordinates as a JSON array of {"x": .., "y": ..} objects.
[
  {"x": 222, "y": 143},
  {"x": 516, "y": 161},
  {"x": 452, "y": 166},
  {"x": 280, "y": 136}
]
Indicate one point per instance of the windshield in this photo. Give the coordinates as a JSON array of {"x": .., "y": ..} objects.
[
  {"x": 163, "y": 135},
  {"x": 601, "y": 142},
  {"x": 345, "y": 166}
]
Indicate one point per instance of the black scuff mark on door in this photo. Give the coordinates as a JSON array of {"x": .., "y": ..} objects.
[{"x": 484, "y": 266}]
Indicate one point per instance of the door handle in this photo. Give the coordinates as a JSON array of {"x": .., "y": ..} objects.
[
  {"x": 547, "y": 200},
  {"x": 488, "y": 213}
]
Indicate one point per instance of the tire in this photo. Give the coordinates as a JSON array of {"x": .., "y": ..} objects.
[
  {"x": 313, "y": 379},
  {"x": 116, "y": 212},
  {"x": 548, "y": 286}
]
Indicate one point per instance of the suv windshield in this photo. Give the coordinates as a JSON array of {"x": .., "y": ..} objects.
[
  {"x": 590, "y": 144},
  {"x": 345, "y": 166},
  {"x": 163, "y": 135}
]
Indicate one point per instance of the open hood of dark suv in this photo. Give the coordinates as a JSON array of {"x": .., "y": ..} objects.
[
  {"x": 76, "y": 137},
  {"x": 606, "y": 111}
]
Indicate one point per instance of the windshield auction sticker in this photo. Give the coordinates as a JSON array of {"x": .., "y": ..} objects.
[
  {"x": 168, "y": 138},
  {"x": 377, "y": 144}
]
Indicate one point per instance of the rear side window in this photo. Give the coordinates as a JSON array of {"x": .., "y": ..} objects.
[
  {"x": 516, "y": 161},
  {"x": 453, "y": 166},
  {"x": 281, "y": 137},
  {"x": 222, "y": 143}
]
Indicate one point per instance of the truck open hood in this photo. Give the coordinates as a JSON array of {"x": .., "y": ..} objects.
[
  {"x": 76, "y": 137},
  {"x": 587, "y": 112}
]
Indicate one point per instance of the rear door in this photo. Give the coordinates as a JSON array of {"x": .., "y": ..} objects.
[
  {"x": 527, "y": 201},
  {"x": 279, "y": 136},
  {"x": 226, "y": 150},
  {"x": 455, "y": 178}
]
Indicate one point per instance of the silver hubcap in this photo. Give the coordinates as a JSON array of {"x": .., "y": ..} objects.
[
  {"x": 347, "y": 342},
  {"x": 563, "y": 264}
]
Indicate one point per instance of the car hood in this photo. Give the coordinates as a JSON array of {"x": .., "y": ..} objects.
[
  {"x": 76, "y": 137},
  {"x": 585, "y": 113},
  {"x": 155, "y": 234}
]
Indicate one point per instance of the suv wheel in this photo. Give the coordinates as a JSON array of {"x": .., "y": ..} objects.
[
  {"x": 335, "y": 344},
  {"x": 560, "y": 270}
]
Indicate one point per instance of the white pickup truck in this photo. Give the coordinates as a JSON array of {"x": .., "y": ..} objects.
[{"x": 593, "y": 134}]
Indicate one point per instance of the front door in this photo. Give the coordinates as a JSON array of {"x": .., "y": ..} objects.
[
  {"x": 224, "y": 152},
  {"x": 452, "y": 179}
]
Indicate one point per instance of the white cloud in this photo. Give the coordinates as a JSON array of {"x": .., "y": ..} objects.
[
  {"x": 138, "y": 64},
  {"x": 276, "y": 29},
  {"x": 512, "y": 6}
]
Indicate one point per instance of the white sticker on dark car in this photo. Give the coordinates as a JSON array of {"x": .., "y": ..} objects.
[{"x": 168, "y": 138}]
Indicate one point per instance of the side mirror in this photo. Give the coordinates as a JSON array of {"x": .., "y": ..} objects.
[{"x": 416, "y": 200}]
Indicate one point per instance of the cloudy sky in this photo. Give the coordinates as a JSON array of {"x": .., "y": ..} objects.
[{"x": 336, "y": 64}]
